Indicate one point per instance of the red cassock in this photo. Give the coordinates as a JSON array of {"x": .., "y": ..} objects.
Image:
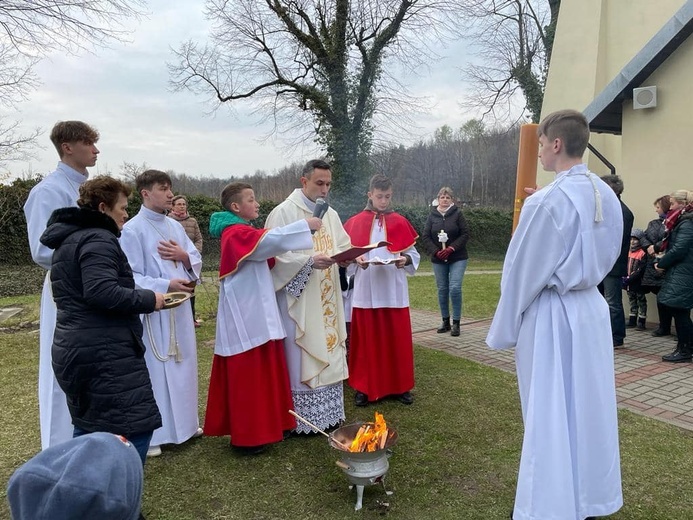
[
  {"x": 381, "y": 352},
  {"x": 249, "y": 393}
]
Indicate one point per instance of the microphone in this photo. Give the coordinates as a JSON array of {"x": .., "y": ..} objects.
[{"x": 321, "y": 207}]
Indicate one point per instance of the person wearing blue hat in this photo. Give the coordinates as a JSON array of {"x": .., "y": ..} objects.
[{"x": 98, "y": 475}]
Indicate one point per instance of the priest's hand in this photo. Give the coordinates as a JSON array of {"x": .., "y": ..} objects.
[
  {"x": 160, "y": 301},
  {"x": 321, "y": 261},
  {"x": 314, "y": 223},
  {"x": 170, "y": 250},
  {"x": 180, "y": 285}
]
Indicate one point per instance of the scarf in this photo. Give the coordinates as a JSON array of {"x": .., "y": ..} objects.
[
  {"x": 221, "y": 220},
  {"x": 179, "y": 216},
  {"x": 670, "y": 223}
]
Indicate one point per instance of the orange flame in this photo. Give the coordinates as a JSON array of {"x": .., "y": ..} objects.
[{"x": 371, "y": 436}]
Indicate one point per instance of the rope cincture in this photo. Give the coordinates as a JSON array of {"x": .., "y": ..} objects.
[
  {"x": 174, "y": 350},
  {"x": 598, "y": 216}
]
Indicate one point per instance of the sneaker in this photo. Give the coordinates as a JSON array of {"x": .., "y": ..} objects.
[
  {"x": 198, "y": 324},
  {"x": 154, "y": 451},
  {"x": 199, "y": 433}
]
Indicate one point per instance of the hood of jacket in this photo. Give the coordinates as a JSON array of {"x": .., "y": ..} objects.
[{"x": 66, "y": 221}]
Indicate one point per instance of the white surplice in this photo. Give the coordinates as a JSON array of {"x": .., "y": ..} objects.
[
  {"x": 551, "y": 312},
  {"x": 382, "y": 286},
  {"x": 314, "y": 322},
  {"x": 174, "y": 382},
  {"x": 248, "y": 315},
  {"x": 59, "y": 189}
]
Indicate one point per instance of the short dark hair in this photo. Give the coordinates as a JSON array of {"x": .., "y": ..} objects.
[
  {"x": 232, "y": 193},
  {"x": 614, "y": 182},
  {"x": 664, "y": 202},
  {"x": 72, "y": 132},
  {"x": 101, "y": 189},
  {"x": 379, "y": 182},
  {"x": 314, "y": 164},
  {"x": 148, "y": 178},
  {"x": 571, "y": 127}
]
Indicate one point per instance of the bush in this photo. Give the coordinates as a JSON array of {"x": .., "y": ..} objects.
[{"x": 13, "y": 234}]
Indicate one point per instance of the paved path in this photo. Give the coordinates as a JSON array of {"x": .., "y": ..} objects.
[{"x": 644, "y": 384}]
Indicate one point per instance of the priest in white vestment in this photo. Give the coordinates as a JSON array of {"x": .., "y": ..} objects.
[
  {"x": 76, "y": 145},
  {"x": 310, "y": 302},
  {"x": 567, "y": 239},
  {"x": 164, "y": 260}
]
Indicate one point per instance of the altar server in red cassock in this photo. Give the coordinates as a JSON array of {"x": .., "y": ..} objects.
[
  {"x": 249, "y": 390},
  {"x": 381, "y": 353}
]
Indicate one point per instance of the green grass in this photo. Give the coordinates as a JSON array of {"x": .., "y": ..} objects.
[
  {"x": 456, "y": 458},
  {"x": 483, "y": 262},
  {"x": 480, "y": 294}
]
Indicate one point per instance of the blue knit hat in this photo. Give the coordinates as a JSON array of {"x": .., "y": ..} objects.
[{"x": 98, "y": 476}]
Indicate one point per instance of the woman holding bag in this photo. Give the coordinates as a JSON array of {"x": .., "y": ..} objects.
[{"x": 445, "y": 238}]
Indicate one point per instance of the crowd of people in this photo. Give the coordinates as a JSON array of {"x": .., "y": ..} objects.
[{"x": 118, "y": 354}]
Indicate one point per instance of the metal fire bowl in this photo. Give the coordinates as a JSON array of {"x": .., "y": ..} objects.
[{"x": 346, "y": 435}]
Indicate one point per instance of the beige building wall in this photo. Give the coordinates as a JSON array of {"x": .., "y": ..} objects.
[{"x": 595, "y": 39}]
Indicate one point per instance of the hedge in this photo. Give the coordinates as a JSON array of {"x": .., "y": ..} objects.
[{"x": 489, "y": 228}]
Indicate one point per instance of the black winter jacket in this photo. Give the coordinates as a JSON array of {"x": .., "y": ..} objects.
[
  {"x": 620, "y": 268},
  {"x": 455, "y": 225},
  {"x": 654, "y": 234},
  {"x": 677, "y": 289},
  {"x": 98, "y": 354}
]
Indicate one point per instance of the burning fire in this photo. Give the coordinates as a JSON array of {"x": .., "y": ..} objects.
[{"x": 371, "y": 436}]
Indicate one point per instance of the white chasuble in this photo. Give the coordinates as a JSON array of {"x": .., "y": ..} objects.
[{"x": 314, "y": 320}]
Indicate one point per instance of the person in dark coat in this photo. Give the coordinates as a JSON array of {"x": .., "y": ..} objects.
[
  {"x": 652, "y": 244},
  {"x": 445, "y": 239},
  {"x": 611, "y": 285},
  {"x": 676, "y": 294},
  {"x": 98, "y": 354}
]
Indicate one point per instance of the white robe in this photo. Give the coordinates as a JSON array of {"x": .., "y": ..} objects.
[
  {"x": 59, "y": 189},
  {"x": 552, "y": 313},
  {"x": 382, "y": 286},
  {"x": 174, "y": 382},
  {"x": 314, "y": 322},
  {"x": 248, "y": 315}
]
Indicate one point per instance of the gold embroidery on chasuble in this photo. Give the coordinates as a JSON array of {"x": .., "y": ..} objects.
[{"x": 322, "y": 243}]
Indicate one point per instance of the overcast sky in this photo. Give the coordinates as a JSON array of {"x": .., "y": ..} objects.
[{"x": 124, "y": 92}]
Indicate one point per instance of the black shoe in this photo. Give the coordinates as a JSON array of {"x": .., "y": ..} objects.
[
  {"x": 250, "y": 450},
  {"x": 444, "y": 327},
  {"x": 455, "y": 328},
  {"x": 658, "y": 333},
  {"x": 680, "y": 355},
  {"x": 618, "y": 343},
  {"x": 360, "y": 399},
  {"x": 631, "y": 322},
  {"x": 405, "y": 398}
]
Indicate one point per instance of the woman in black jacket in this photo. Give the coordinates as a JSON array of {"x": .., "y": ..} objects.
[
  {"x": 97, "y": 353},
  {"x": 652, "y": 244},
  {"x": 676, "y": 294},
  {"x": 445, "y": 238}
]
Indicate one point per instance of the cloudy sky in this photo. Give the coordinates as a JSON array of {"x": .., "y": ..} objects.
[{"x": 124, "y": 92}]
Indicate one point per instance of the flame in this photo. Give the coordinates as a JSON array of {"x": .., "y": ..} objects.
[{"x": 371, "y": 436}]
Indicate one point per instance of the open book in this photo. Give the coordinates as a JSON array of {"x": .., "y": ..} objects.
[{"x": 354, "y": 252}]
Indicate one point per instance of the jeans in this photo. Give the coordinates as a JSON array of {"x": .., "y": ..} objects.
[
  {"x": 140, "y": 441},
  {"x": 613, "y": 294},
  {"x": 449, "y": 282}
]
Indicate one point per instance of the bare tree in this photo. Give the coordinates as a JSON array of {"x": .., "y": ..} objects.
[
  {"x": 514, "y": 39},
  {"x": 317, "y": 67},
  {"x": 29, "y": 30}
]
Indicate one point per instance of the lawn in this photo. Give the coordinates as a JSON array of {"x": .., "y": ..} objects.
[{"x": 456, "y": 458}]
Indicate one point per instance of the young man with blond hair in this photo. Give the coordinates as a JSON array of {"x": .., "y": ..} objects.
[{"x": 567, "y": 240}]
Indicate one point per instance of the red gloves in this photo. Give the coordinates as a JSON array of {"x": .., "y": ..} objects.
[{"x": 443, "y": 254}]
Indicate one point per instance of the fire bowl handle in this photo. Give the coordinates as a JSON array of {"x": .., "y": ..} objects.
[{"x": 342, "y": 465}]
